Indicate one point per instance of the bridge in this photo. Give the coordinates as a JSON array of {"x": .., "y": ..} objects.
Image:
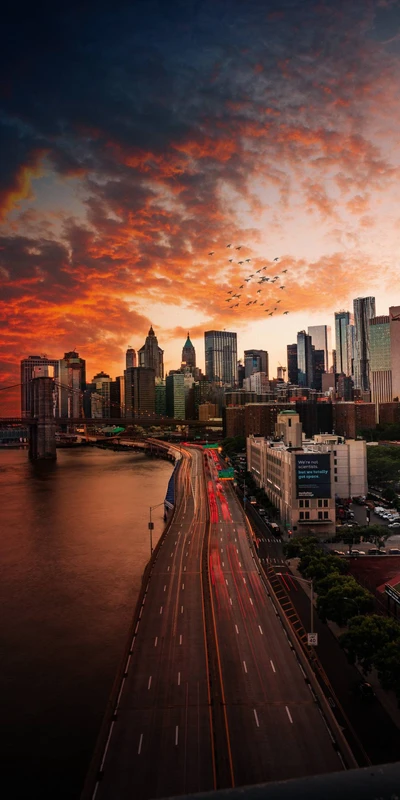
[{"x": 143, "y": 422}]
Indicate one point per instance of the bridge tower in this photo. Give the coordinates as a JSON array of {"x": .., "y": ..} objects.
[{"x": 42, "y": 439}]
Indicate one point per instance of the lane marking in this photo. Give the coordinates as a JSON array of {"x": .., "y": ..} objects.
[
  {"x": 272, "y": 665},
  {"x": 288, "y": 713},
  {"x": 187, "y": 554},
  {"x": 140, "y": 744},
  {"x": 181, "y": 609},
  {"x": 251, "y": 601},
  {"x": 244, "y": 580},
  {"x": 184, "y": 569},
  {"x": 237, "y": 629},
  {"x": 155, "y": 641},
  {"x": 222, "y": 549},
  {"x": 176, "y": 542},
  {"x": 167, "y": 569},
  {"x": 223, "y": 563},
  {"x": 172, "y": 554},
  {"x": 137, "y": 625},
  {"x": 256, "y": 718},
  {"x": 237, "y": 551},
  {"x": 183, "y": 586},
  {"x": 176, "y": 734},
  {"x": 240, "y": 564},
  {"x": 140, "y": 613},
  {"x": 221, "y": 539},
  {"x": 230, "y": 600},
  {"x": 179, "y": 678},
  {"x": 226, "y": 581},
  {"x": 160, "y": 609},
  {"x": 244, "y": 664},
  {"x": 149, "y": 683},
  {"x": 180, "y": 639},
  {"x": 260, "y": 630},
  {"x": 165, "y": 587}
]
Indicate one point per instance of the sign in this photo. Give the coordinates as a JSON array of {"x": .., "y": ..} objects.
[
  {"x": 313, "y": 475},
  {"x": 150, "y": 526},
  {"x": 226, "y": 474},
  {"x": 393, "y": 594},
  {"x": 312, "y": 639},
  {"x": 211, "y": 446}
]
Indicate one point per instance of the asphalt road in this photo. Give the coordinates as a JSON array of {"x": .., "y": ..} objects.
[
  {"x": 161, "y": 740},
  {"x": 275, "y": 728}
]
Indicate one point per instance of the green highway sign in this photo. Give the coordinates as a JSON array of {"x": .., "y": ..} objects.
[
  {"x": 211, "y": 446},
  {"x": 226, "y": 474}
]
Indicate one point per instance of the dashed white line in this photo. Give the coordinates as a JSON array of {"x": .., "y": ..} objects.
[
  {"x": 167, "y": 569},
  {"x": 184, "y": 569},
  {"x": 176, "y": 734},
  {"x": 137, "y": 625},
  {"x": 165, "y": 587},
  {"x": 260, "y": 630},
  {"x": 226, "y": 581},
  {"x": 161, "y": 609},
  {"x": 240, "y": 564},
  {"x": 222, "y": 549},
  {"x": 272, "y": 665},
  {"x": 181, "y": 609},
  {"x": 140, "y": 744},
  {"x": 251, "y": 601},
  {"x": 179, "y": 678},
  {"x": 244, "y": 580},
  {"x": 183, "y": 585},
  {"x": 149, "y": 683},
  {"x": 289, "y": 715},
  {"x": 230, "y": 600},
  {"x": 223, "y": 563},
  {"x": 155, "y": 641},
  {"x": 245, "y": 667},
  {"x": 256, "y": 718},
  {"x": 140, "y": 613},
  {"x": 180, "y": 639},
  {"x": 187, "y": 553},
  {"x": 237, "y": 629},
  {"x": 172, "y": 554}
]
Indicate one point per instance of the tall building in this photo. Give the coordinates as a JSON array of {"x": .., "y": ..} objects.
[
  {"x": 241, "y": 372},
  {"x": 151, "y": 356},
  {"x": 72, "y": 384},
  {"x": 321, "y": 339},
  {"x": 344, "y": 342},
  {"x": 304, "y": 360},
  {"x": 292, "y": 363},
  {"x": 394, "y": 324},
  {"x": 380, "y": 361},
  {"x": 175, "y": 395},
  {"x": 364, "y": 309},
  {"x": 130, "y": 358},
  {"x": 161, "y": 400},
  {"x": 102, "y": 390},
  {"x": 318, "y": 360},
  {"x": 221, "y": 357},
  {"x": 255, "y": 361},
  {"x": 140, "y": 391},
  {"x": 50, "y": 368},
  {"x": 188, "y": 355}
]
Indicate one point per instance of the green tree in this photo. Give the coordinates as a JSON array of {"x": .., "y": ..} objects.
[
  {"x": 387, "y": 662},
  {"x": 319, "y": 568},
  {"x": 344, "y": 600},
  {"x": 366, "y": 636},
  {"x": 323, "y": 585},
  {"x": 389, "y": 494}
]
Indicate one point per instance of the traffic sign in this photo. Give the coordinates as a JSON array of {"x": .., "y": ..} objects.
[
  {"x": 312, "y": 639},
  {"x": 226, "y": 474}
]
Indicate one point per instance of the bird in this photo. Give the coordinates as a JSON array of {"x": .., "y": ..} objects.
[
  {"x": 247, "y": 280},
  {"x": 212, "y": 253},
  {"x": 228, "y": 300},
  {"x": 276, "y": 277},
  {"x": 271, "y": 314},
  {"x": 261, "y": 281},
  {"x": 239, "y": 248},
  {"x": 258, "y": 291},
  {"x": 285, "y": 312},
  {"x": 240, "y": 262},
  {"x": 230, "y": 260},
  {"x": 284, "y": 270},
  {"x": 258, "y": 270},
  {"x": 281, "y": 287},
  {"x": 264, "y": 267},
  {"x": 278, "y": 301},
  {"x": 254, "y": 302},
  {"x": 248, "y": 260},
  {"x": 276, "y": 308},
  {"x": 235, "y": 306},
  {"x": 229, "y": 291},
  {"x": 261, "y": 304},
  {"x": 276, "y": 259},
  {"x": 229, "y": 245},
  {"x": 241, "y": 287}
]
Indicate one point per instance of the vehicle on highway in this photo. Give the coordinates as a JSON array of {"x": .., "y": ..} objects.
[
  {"x": 253, "y": 500},
  {"x": 365, "y": 690}
]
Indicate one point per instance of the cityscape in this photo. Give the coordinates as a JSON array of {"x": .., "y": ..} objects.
[{"x": 200, "y": 400}]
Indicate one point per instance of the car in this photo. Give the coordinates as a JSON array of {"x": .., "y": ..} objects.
[
  {"x": 373, "y": 551},
  {"x": 394, "y": 551},
  {"x": 365, "y": 691}
]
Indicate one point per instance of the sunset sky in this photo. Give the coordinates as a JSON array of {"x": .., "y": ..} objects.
[{"x": 137, "y": 137}]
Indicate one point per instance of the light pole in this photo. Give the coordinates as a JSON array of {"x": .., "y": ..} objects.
[
  {"x": 151, "y": 525},
  {"x": 311, "y": 585}
]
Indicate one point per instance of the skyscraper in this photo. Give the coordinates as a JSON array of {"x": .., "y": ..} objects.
[
  {"x": 130, "y": 358},
  {"x": 175, "y": 395},
  {"x": 321, "y": 339},
  {"x": 380, "y": 361},
  {"x": 364, "y": 310},
  {"x": 255, "y": 361},
  {"x": 140, "y": 391},
  {"x": 318, "y": 362},
  {"x": 27, "y": 367},
  {"x": 188, "y": 355},
  {"x": 221, "y": 357},
  {"x": 151, "y": 356},
  {"x": 72, "y": 384},
  {"x": 304, "y": 360},
  {"x": 292, "y": 363},
  {"x": 344, "y": 342},
  {"x": 394, "y": 323}
]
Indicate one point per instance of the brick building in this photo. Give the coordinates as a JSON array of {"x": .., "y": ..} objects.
[
  {"x": 350, "y": 418},
  {"x": 234, "y": 421},
  {"x": 389, "y": 413}
]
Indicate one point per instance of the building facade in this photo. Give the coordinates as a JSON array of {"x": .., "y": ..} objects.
[
  {"x": 151, "y": 356},
  {"x": 188, "y": 355},
  {"x": 364, "y": 310},
  {"x": 394, "y": 324},
  {"x": 255, "y": 361},
  {"x": 380, "y": 361},
  {"x": 72, "y": 384},
  {"x": 130, "y": 358},
  {"x": 322, "y": 340},
  {"x": 175, "y": 396},
  {"x": 50, "y": 369},
  {"x": 350, "y": 418},
  {"x": 305, "y": 375},
  {"x": 140, "y": 391},
  {"x": 344, "y": 327},
  {"x": 292, "y": 367},
  {"x": 221, "y": 357}
]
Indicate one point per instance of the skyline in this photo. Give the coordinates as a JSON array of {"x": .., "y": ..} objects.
[{"x": 138, "y": 140}]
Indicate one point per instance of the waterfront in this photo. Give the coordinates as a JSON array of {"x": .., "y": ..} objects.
[{"x": 74, "y": 543}]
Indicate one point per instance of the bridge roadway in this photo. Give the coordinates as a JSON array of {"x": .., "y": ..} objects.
[{"x": 162, "y": 740}]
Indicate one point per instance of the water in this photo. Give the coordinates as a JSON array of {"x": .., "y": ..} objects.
[{"x": 73, "y": 546}]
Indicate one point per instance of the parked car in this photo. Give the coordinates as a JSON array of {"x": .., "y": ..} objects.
[
  {"x": 394, "y": 551},
  {"x": 373, "y": 551}
]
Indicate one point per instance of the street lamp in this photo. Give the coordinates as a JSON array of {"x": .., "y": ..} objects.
[
  {"x": 151, "y": 525},
  {"x": 311, "y": 585}
]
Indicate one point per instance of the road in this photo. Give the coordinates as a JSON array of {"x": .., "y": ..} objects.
[
  {"x": 161, "y": 740},
  {"x": 275, "y": 728}
]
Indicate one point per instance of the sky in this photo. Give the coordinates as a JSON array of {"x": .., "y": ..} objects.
[{"x": 136, "y": 138}]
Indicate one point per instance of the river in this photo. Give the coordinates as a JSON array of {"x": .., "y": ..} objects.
[{"x": 73, "y": 546}]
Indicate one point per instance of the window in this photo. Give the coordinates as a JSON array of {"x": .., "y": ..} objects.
[
  {"x": 335, "y": 460},
  {"x": 326, "y": 514},
  {"x": 306, "y": 504},
  {"x": 319, "y": 514},
  {"x": 301, "y": 514},
  {"x": 301, "y": 503},
  {"x": 335, "y": 452},
  {"x": 319, "y": 503},
  {"x": 335, "y": 470},
  {"x": 335, "y": 478},
  {"x": 306, "y": 515},
  {"x": 325, "y": 504}
]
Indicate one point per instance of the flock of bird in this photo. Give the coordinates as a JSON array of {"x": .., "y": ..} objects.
[{"x": 261, "y": 279}]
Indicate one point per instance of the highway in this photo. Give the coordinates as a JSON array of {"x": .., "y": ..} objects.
[
  {"x": 275, "y": 727},
  {"x": 161, "y": 739}
]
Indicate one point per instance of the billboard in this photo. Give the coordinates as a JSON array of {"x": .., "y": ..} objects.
[{"x": 313, "y": 475}]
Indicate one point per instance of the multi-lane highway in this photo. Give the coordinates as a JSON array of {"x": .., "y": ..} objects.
[
  {"x": 161, "y": 739},
  {"x": 275, "y": 727},
  {"x": 188, "y": 719}
]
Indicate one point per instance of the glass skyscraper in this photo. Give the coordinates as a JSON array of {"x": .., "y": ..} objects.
[
  {"x": 321, "y": 339},
  {"x": 304, "y": 360},
  {"x": 380, "y": 360},
  {"x": 344, "y": 334},
  {"x": 221, "y": 357},
  {"x": 364, "y": 310}
]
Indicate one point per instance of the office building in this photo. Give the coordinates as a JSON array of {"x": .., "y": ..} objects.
[
  {"x": 207, "y": 411},
  {"x": 259, "y": 383},
  {"x": 101, "y": 384},
  {"x": 344, "y": 333},
  {"x": 255, "y": 361},
  {"x": 72, "y": 384},
  {"x": 315, "y": 416},
  {"x": 292, "y": 367},
  {"x": 394, "y": 325},
  {"x": 344, "y": 390},
  {"x": 130, "y": 358},
  {"x": 318, "y": 359},
  {"x": 260, "y": 418},
  {"x": 234, "y": 417},
  {"x": 140, "y": 391},
  {"x": 380, "y": 361},
  {"x": 364, "y": 310},
  {"x": 389, "y": 413},
  {"x": 221, "y": 357},
  {"x": 151, "y": 356},
  {"x": 321, "y": 339},
  {"x": 49, "y": 368},
  {"x": 241, "y": 374},
  {"x": 289, "y": 428},
  {"x": 175, "y": 396},
  {"x": 160, "y": 398},
  {"x": 305, "y": 376},
  {"x": 188, "y": 355}
]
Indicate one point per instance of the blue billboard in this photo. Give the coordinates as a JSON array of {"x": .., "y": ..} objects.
[{"x": 313, "y": 475}]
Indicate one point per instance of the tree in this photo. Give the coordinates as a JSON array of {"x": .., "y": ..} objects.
[
  {"x": 319, "y": 568},
  {"x": 367, "y": 636},
  {"x": 387, "y": 662},
  {"x": 389, "y": 494},
  {"x": 345, "y": 599}
]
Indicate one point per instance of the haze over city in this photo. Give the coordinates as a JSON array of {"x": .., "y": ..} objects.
[{"x": 137, "y": 140}]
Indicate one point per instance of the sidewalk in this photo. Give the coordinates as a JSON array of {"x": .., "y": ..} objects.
[{"x": 388, "y": 699}]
